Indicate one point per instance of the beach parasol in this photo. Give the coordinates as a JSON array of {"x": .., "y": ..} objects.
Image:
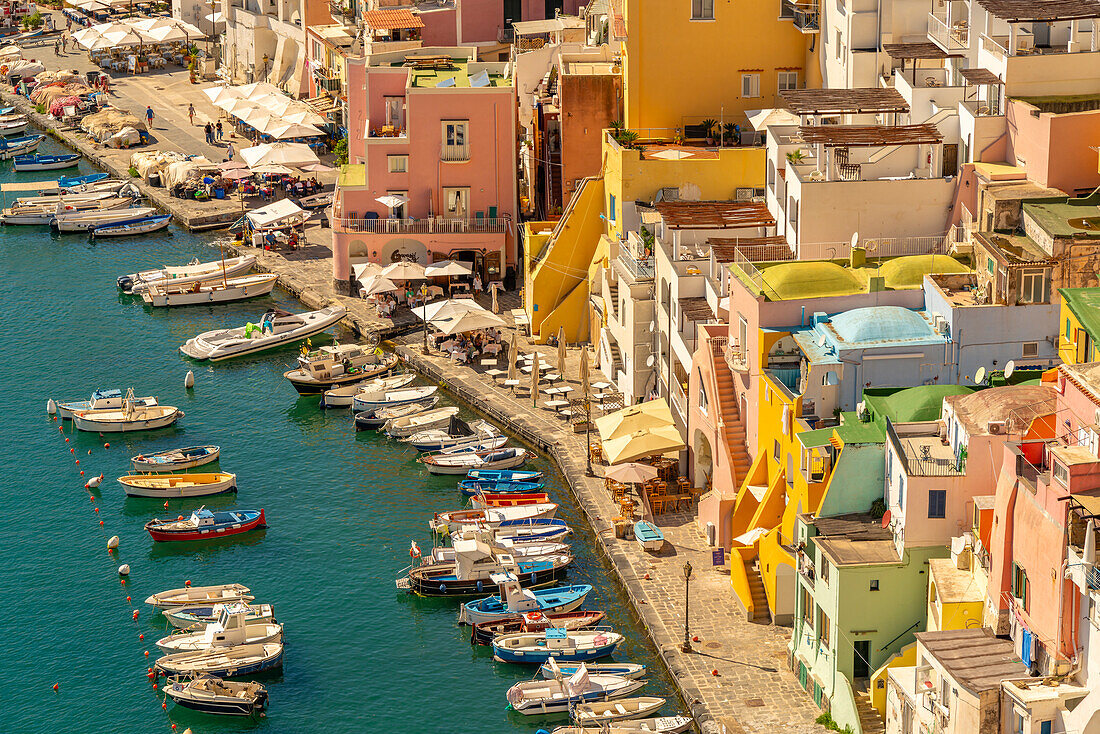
[
  {"x": 362, "y": 270},
  {"x": 584, "y": 376},
  {"x": 288, "y": 154},
  {"x": 281, "y": 130},
  {"x": 644, "y": 442},
  {"x": 469, "y": 321},
  {"x": 445, "y": 268},
  {"x": 304, "y": 116},
  {"x": 631, "y": 473},
  {"x": 561, "y": 351},
  {"x": 513, "y": 357},
  {"x": 317, "y": 168},
  {"x": 535, "y": 374},
  {"x": 493, "y": 289},
  {"x": 377, "y": 284},
  {"x": 272, "y": 168},
  {"x": 404, "y": 270},
  {"x": 236, "y": 174},
  {"x": 392, "y": 201},
  {"x": 650, "y": 414}
]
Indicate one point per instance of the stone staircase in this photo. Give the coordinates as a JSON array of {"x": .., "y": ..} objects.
[
  {"x": 869, "y": 720},
  {"x": 759, "y": 596},
  {"x": 731, "y": 415}
]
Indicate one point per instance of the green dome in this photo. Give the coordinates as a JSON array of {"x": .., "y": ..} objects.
[
  {"x": 909, "y": 271},
  {"x": 810, "y": 279}
]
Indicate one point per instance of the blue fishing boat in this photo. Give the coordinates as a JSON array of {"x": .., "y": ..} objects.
[
  {"x": 70, "y": 181},
  {"x": 504, "y": 475},
  {"x": 11, "y": 147},
  {"x": 630, "y": 671},
  {"x": 649, "y": 536},
  {"x": 472, "y": 487},
  {"x": 577, "y": 646},
  {"x": 39, "y": 162},
  {"x": 514, "y": 601},
  {"x": 474, "y": 566},
  {"x": 6, "y": 110}
]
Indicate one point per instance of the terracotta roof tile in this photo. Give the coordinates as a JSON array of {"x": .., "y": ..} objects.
[{"x": 391, "y": 19}]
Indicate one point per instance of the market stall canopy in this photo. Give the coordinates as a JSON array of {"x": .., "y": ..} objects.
[
  {"x": 404, "y": 270},
  {"x": 650, "y": 414},
  {"x": 446, "y": 268},
  {"x": 645, "y": 442},
  {"x": 289, "y": 154},
  {"x": 280, "y": 212}
]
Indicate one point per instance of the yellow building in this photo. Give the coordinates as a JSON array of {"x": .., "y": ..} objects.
[
  {"x": 684, "y": 62},
  {"x": 1079, "y": 325}
]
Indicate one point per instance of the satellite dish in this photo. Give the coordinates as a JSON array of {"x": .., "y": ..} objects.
[
  {"x": 979, "y": 376},
  {"x": 821, "y": 340},
  {"x": 652, "y": 326},
  {"x": 649, "y": 361},
  {"x": 855, "y": 239},
  {"x": 1010, "y": 368}
]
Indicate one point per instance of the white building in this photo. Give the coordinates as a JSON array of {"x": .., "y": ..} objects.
[{"x": 265, "y": 40}]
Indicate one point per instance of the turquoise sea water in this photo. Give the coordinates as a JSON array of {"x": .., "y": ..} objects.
[{"x": 342, "y": 508}]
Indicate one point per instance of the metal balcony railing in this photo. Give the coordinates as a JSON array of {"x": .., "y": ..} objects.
[
  {"x": 455, "y": 152},
  {"x": 643, "y": 269},
  {"x": 437, "y": 225},
  {"x": 806, "y": 16},
  {"x": 953, "y": 35}
]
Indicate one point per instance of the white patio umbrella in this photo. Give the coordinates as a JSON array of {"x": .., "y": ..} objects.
[
  {"x": 167, "y": 34},
  {"x": 561, "y": 351},
  {"x": 191, "y": 30},
  {"x": 272, "y": 168},
  {"x": 363, "y": 270},
  {"x": 239, "y": 108},
  {"x": 441, "y": 310},
  {"x": 87, "y": 35},
  {"x": 377, "y": 284},
  {"x": 404, "y": 270},
  {"x": 219, "y": 93},
  {"x": 470, "y": 321},
  {"x": 237, "y": 174},
  {"x": 631, "y": 473},
  {"x": 257, "y": 89},
  {"x": 317, "y": 168},
  {"x": 446, "y": 268},
  {"x": 304, "y": 116},
  {"x": 513, "y": 356},
  {"x": 392, "y": 201},
  {"x": 289, "y": 154},
  {"x": 281, "y": 129},
  {"x": 123, "y": 39}
]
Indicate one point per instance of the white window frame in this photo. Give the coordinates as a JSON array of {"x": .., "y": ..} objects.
[
  {"x": 463, "y": 193},
  {"x": 397, "y": 163},
  {"x": 750, "y": 85},
  {"x": 455, "y": 140},
  {"x": 1029, "y": 349},
  {"x": 786, "y": 80},
  {"x": 702, "y": 9},
  {"x": 1032, "y": 278}
]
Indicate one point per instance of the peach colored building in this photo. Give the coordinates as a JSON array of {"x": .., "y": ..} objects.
[
  {"x": 438, "y": 132},
  {"x": 1052, "y": 138}
]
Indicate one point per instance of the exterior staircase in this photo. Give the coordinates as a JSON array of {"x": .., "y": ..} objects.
[
  {"x": 732, "y": 418},
  {"x": 869, "y": 720},
  {"x": 760, "y": 611}
]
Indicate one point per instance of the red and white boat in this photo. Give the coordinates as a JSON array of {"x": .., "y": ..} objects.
[{"x": 205, "y": 525}]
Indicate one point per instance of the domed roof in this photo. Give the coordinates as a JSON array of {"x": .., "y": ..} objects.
[
  {"x": 809, "y": 279},
  {"x": 909, "y": 271},
  {"x": 881, "y": 323}
]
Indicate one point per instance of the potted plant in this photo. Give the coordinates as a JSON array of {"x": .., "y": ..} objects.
[
  {"x": 708, "y": 129},
  {"x": 796, "y": 156},
  {"x": 627, "y": 138}
]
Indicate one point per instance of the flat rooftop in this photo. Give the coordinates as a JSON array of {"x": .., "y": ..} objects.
[
  {"x": 1077, "y": 218},
  {"x": 954, "y": 585},
  {"x": 926, "y": 455},
  {"x": 1017, "y": 249},
  {"x": 976, "y": 659},
  {"x": 1017, "y": 405},
  {"x": 1084, "y": 304},
  {"x": 855, "y": 540}
]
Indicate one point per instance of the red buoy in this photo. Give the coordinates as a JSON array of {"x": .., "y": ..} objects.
[
  {"x": 141, "y": 636},
  {"x": 101, "y": 522},
  {"x": 106, "y": 445},
  {"x": 135, "y": 614},
  {"x": 187, "y": 582},
  {"x": 55, "y": 686},
  {"x": 81, "y": 472}
]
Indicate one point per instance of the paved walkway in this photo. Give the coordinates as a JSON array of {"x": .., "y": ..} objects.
[{"x": 753, "y": 691}]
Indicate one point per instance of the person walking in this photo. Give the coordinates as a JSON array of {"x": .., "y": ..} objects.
[
  {"x": 209, "y": 129},
  {"x": 229, "y": 151},
  {"x": 218, "y": 130},
  {"x": 57, "y": 47},
  {"x": 149, "y": 117},
  {"x": 68, "y": 23},
  {"x": 191, "y": 113}
]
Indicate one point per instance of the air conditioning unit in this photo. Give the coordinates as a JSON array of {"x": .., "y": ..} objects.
[{"x": 995, "y": 427}]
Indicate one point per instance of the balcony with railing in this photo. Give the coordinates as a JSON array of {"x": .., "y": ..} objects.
[
  {"x": 455, "y": 153},
  {"x": 949, "y": 33},
  {"x": 806, "y": 15},
  {"x": 1082, "y": 572},
  {"x": 340, "y": 9},
  {"x": 639, "y": 268},
  {"x": 327, "y": 79},
  {"x": 436, "y": 225},
  {"x": 806, "y": 568}
]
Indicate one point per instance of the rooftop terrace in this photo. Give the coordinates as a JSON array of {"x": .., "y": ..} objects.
[
  {"x": 976, "y": 659},
  {"x": 1068, "y": 217},
  {"x": 855, "y": 539}
]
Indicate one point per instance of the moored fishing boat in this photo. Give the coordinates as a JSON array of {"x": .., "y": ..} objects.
[
  {"x": 176, "y": 459},
  {"x": 72, "y": 181},
  {"x": 100, "y": 400},
  {"x": 213, "y": 291},
  {"x": 231, "y": 629},
  {"x": 392, "y": 398},
  {"x": 558, "y": 644},
  {"x": 190, "y": 273},
  {"x": 594, "y": 714},
  {"x": 480, "y": 444},
  {"x": 212, "y": 695},
  {"x": 340, "y": 364},
  {"x": 376, "y": 417},
  {"x": 540, "y": 696},
  {"x": 39, "y": 162},
  {"x": 341, "y": 397},
  {"x": 445, "y": 521},
  {"x": 131, "y": 416},
  {"x": 463, "y": 462},
  {"x": 484, "y": 500},
  {"x": 457, "y": 434},
  {"x": 651, "y": 725},
  {"x": 518, "y": 531},
  {"x": 538, "y": 549},
  {"x": 85, "y": 221},
  {"x": 194, "y": 595},
  {"x": 634, "y": 671},
  {"x": 496, "y": 475},
  {"x": 473, "y": 568},
  {"x": 276, "y": 328},
  {"x": 649, "y": 536},
  {"x": 224, "y": 662},
  {"x": 518, "y": 601},
  {"x": 17, "y": 146},
  {"x": 471, "y": 487},
  {"x": 483, "y": 633},
  {"x": 47, "y": 213},
  {"x": 167, "y": 486},
  {"x": 143, "y": 225},
  {"x": 197, "y": 616},
  {"x": 206, "y": 524},
  {"x": 402, "y": 427}
]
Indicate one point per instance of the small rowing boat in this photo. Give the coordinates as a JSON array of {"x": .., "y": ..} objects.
[
  {"x": 137, "y": 283},
  {"x": 495, "y": 475},
  {"x": 633, "y": 671},
  {"x": 166, "y": 486},
  {"x": 569, "y": 645},
  {"x": 341, "y": 397},
  {"x": 231, "y": 628},
  {"x": 649, "y": 536},
  {"x": 68, "y": 182},
  {"x": 225, "y": 290},
  {"x": 412, "y": 424},
  {"x": 212, "y": 695},
  {"x": 206, "y": 524},
  {"x": 39, "y": 162},
  {"x": 457, "y": 434},
  {"x": 367, "y": 420},
  {"x": 133, "y": 415},
  {"x": 484, "y": 500},
  {"x": 132, "y": 228},
  {"x": 474, "y": 566},
  {"x": 340, "y": 364},
  {"x": 484, "y": 632},
  {"x": 444, "y": 521},
  {"x": 520, "y": 531},
  {"x": 197, "y": 616},
  {"x": 463, "y": 462},
  {"x": 391, "y": 398},
  {"x": 539, "y": 696},
  {"x": 193, "y": 595},
  {"x": 471, "y": 487},
  {"x": 11, "y": 147},
  {"x": 594, "y": 714},
  {"x": 176, "y": 459},
  {"x": 224, "y": 662},
  {"x": 652, "y": 725},
  {"x": 100, "y": 400},
  {"x": 519, "y": 601},
  {"x": 84, "y": 221}
]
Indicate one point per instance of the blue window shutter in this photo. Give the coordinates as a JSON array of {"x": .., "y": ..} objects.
[{"x": 1044, "y": 727}]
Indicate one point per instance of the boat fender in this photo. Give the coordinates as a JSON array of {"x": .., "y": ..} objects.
[
  {"x": 189, "y": 380},
  {"x": 113, "y": 542},
  {"x": 533, "y": 577},
  {"x": 442, "y": 589},
  {"x": 51, "y": 407},
  {"x": 124, "y": 569},
  {"x": 479, "y": 589}
]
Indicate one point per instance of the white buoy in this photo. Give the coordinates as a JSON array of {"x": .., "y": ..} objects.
[
  {"x": 94, "y": 482},
  {"x": 189, "y": 381},
  {"x": 51, "y": 407},
  {"x": 124, "y": 569},
  {"x": 113, "y": 542}
]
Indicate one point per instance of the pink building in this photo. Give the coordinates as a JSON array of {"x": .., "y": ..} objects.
[{"x": 435, "y": 128}]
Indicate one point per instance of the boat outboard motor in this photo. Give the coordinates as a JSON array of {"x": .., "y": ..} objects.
[{"x": 125, "y": 282}]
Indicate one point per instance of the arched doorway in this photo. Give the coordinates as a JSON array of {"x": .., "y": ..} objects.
[
  {"x": 703, "y": 465},
  {"x": 403, "y": 248}
]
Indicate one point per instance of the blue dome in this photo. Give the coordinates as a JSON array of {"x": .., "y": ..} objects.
[{"x": 881, "y": 324}]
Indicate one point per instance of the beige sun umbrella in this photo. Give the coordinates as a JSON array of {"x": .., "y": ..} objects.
[
  {"x": 584, "y": 376},
  {"x": 651, "y": 414},
  {"x": 513, "y": 356},
  {"x": 631, "y": 473},
  {"x": 493, "y": 290},
  {"x": 404, "y": 270},
  {"x": 535, "y": 373},
  {"x": 469, "y": 321},
  {"x": 561, "y": 351},
  {"x": 641, "y": 443},
  {"x": 219, "y": 93},
  {"x": 283, "y": 130},
  {"x": 289, "y": 154}
]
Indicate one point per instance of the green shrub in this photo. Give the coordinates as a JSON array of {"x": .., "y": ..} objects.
[
  {"x": 34, "y": 20},
  {"x": 134, "y": 172},
  {"x": 40, "y": 109},
  {"x": 341, "y": 150}
]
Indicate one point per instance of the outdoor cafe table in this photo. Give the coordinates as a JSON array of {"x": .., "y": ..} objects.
[
  {"x": 511, "y": 383},
  {"x": 556, "y": 404},
  {"x": 495, "y": 373},
  {"x": 601, "y": 385}
]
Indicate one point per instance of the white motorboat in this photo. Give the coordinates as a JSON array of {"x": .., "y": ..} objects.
[
  {"x": 462, "y": 462},
  {"x": 170, "y": 486},
  {"x": 366, "y": 420},
  {"x": 100, "y": 400},
  {"x": 134, "y": 227},
  {"x": 475, "y": 445},
  {"x": 651, "y": 725},
  {"x": 492, "y": 517},
  {"x": 192, "y": 272},
  {"x": 194, "y": 617},
  {"x": 57, "y": 198},
  {"x": 458, "y": 434},
  {"x": 39, "y": 214},
  {"x": 212, "y": 291},
  {"x": 594, "y": 714},
  {"x": 212, "y": 695},
  {"x": 342, "y": 397},
  {"x": 189, "y": 596},
  {"x": 14, "y": 127},
  {"x": 391, "y": 398},
  {"x": 340, "y": 364},
  {"x": 411, "y": 424},
  {"x": 540, "y": 696},
  {"x": 85, "y": 221},
  {"x": 276, "y": 328},
  {"x": 224, "y": 662},
  {"x": 528, "y": 551},
  {"x": 230, "y": 629},
  {"x": 131, "y": 416},
  {"x": 46, "y": 162}
]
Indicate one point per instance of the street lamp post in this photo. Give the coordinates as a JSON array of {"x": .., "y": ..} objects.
[
  {"x": 686, "y": 647},
  {"x": 588, "y": 436}
]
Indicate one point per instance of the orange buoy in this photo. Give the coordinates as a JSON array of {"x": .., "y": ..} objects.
[
  {"x": 135, "y": 614},
  {"x": 81, "y": 472},
  {"x": 60, "y": 428},
  {"x": 695, "y": 638},
  {"x": 154, "y": 686},
  {"x": 714, "y": 672},
  {"x": 127, "y": 600},
  {"x": 78, "y": 462},
  {"x": 55, "y": 686},
  {"x": 187, "y": 582},
  {"x": 164, "y": 706},
  {"x": 71, "y": 451},
  {"x": 89, "y": 452},
  {"x": 101, "y": 522},
  {"x": 146, "y": 653},
  {"x": 97, "y": 509},
  {"x": 106, "y": 445},
  {"x": 141, "y": 636},
  {"x": 166, "y": 504},
  {"x": 179, "y": 517},
  {"x": 66, "y": 440}
]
